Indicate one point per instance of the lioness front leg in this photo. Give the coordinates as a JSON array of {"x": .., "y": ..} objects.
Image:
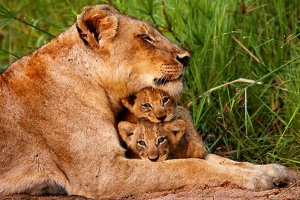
[
  {"x": 273, "y": 171},
  {"x": 133, "y": 176}
]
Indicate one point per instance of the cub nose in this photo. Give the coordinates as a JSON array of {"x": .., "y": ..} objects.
[
  {"x": 162, "y": 118},
  {"x": 183, "y": 58}
]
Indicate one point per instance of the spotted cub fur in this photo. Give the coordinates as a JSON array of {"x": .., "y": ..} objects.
[
  {"x": 151, "y": 141},
  {"x": 158, "y": 107}
]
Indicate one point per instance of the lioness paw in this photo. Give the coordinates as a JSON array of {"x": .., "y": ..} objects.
[
  {"x": 279, "y": 174},
  {"x": 264, "y": 177}
]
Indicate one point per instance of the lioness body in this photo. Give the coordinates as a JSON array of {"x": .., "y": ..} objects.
[
  {"x": 157, "y": 106},
  {"x": 58, "y": 107}
]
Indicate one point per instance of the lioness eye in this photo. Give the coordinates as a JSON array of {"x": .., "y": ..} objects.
[
  {"x": 161, "y": 140},
  {"x": 164, "y": 100},
  {"x": 146, "y": 37},
  {"x": 147, "y": 105},
  {"x": 141, "y": 143}
]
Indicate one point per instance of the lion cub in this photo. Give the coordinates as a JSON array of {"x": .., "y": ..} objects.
[
  {"x": 158, "y": 107},
  {"x": 153, "y": 141},
  {"x": 152, "y": 104}
]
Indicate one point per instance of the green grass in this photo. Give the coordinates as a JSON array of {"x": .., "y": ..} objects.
[{"x": 258, "y": 40}]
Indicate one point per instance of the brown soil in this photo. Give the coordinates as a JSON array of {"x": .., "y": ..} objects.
[
  {"x": 289, "y": 192},
  {"x": 215, "y": 193}
]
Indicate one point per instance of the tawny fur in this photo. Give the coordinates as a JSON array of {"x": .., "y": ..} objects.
[
  {"x": 58, "y": 107},
  {"x": 191, "y": 144}
]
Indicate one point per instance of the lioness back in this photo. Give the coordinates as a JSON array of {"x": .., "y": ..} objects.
[
  {"x": 151, "y": 141},
  {"x": 158, "y": 107}
]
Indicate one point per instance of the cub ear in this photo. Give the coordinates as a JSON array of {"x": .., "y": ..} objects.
[
  {"x": 129, "y": 101},
  {"x": 97, "y": 25},
  {"x": 177, "y": 128},
  {"x": 126, "y": 130}
]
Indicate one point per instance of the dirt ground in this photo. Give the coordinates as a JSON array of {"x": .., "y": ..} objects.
[
  {"x": 289, "y": 192},
  {"x": 225, "y": 192}
]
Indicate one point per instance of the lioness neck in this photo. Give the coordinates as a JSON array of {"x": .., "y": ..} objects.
[{"x": 72, "y": 63}]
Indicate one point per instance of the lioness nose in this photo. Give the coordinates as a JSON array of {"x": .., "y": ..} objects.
[
  {"x": 183, "y": 58},
  {"x": 162, "y": 118}
]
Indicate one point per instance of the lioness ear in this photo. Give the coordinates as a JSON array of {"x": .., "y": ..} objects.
[
  {"x": 177, "y": 128},
  {"x": 97, "y": 25},
  {"x": 126, "y": 130}
]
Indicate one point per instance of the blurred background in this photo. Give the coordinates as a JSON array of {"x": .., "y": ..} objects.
[{"x": 242, "y": 85}]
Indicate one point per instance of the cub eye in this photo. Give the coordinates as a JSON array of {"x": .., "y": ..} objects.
[
  {"x": 142, "y": 143},
  {"x": 146, "y": 37},
  {"x": 161, "y": 140},
  {"x": 147, "y": 105},
  {"x": 165, "y": 100}
]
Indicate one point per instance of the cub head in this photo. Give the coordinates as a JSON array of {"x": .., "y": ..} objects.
[
  {"x": 138, "y": 55},
  {"x": 152, "y": 104},
  {"x": 151, "y": 141}
]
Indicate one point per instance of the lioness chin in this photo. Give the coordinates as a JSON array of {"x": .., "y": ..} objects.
[{"x": 58, "y": 107}]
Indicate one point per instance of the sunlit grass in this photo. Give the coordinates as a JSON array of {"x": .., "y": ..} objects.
[{"x": 228, "y": 40}]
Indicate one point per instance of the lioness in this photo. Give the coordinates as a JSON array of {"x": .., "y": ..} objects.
[
  {"x": 158, "y": 106},
  {"x": 58, "y": 107},
  {"x": 151, "y": 141}
]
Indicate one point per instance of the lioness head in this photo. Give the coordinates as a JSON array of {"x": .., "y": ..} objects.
[
  {"x": 150, "y": 103},
  {"x": 151, "y": 141},
  {"x": 138, "y": 54}
]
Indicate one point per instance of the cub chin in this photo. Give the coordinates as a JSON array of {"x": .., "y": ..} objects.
[
  {"x": 152, "y": 141},
  {"x": 158, "y": 107}
]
